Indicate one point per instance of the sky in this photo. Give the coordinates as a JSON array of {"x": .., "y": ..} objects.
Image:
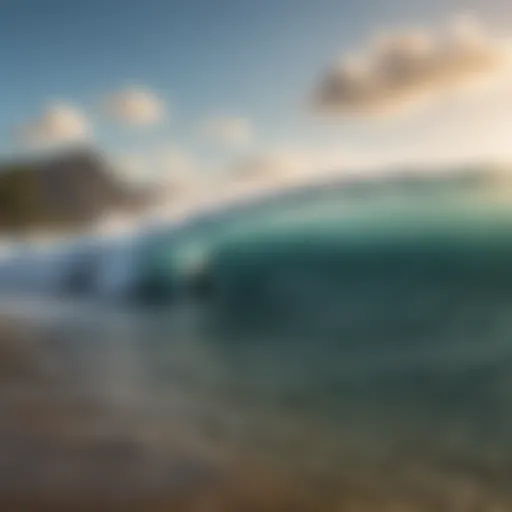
[{"x": 272, "y": 84}]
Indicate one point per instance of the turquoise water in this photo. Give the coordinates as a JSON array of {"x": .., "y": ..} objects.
[{"x": 387, "y": 315}]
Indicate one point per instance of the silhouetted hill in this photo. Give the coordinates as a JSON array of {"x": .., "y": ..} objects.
[{"x": 63, "y": 192}]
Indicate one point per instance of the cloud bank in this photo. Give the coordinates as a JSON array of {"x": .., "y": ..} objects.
[
  {"x": 408, "y": 69},
  {"x": 293, "y": 164},
  {"x": 176, "y": 161},
  {"x": 135, "y": 107},
  {"x": 179, "y": 171},
  {"x": 132, "y": 167},
  {"x": 58, "y": 124},
  {"x": 170, "y": 169}
]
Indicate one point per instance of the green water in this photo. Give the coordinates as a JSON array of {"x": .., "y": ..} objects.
[{"x": 388, "y": 316}]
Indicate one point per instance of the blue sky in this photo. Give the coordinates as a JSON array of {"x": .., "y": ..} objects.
[{"x": 256, "y": 59}]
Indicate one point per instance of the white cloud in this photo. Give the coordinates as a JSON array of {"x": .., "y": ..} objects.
[
  {"x": 229, "y": 131},
  {"x": 408, "y": 69},
  {"x": 135, "y": 107},
  {"x": 58, "y": 124}
]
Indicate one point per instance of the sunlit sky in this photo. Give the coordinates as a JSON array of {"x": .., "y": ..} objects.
[{"x": 220, "y": 80}]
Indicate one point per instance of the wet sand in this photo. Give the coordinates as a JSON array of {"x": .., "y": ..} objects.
[{"x": 64, "y": 446}]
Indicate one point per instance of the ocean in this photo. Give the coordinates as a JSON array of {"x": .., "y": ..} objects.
[{"x": 349, "y": 348}]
